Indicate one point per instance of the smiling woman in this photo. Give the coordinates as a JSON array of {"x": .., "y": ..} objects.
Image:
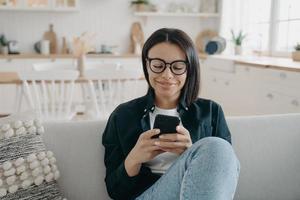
[
  {"x": 175, "y": 165},
  {"x": 167, "y": 82}
]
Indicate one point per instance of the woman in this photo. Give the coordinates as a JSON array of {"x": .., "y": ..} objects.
[{"x": 188, "y": 164}]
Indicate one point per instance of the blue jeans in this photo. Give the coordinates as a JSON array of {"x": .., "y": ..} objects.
[{"x": 208, "y": 170}]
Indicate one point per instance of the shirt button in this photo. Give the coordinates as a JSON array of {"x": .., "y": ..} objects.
[
  {"x": 145, "y": 110},
  {"x": 186, "y": 108}
]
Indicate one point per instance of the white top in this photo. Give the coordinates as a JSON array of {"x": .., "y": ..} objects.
[{"x": 163, "y": 161}]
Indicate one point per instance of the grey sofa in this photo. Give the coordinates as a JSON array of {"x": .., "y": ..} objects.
[{"x": 268, "y": 148}]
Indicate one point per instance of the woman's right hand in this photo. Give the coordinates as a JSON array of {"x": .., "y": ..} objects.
[{"x": 143, "y": 151}]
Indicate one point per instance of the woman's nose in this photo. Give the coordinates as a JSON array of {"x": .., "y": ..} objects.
[{"x": 167, "y": 73}]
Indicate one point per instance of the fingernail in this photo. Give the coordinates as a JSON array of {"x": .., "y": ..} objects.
[
  {"x": 161, "y": 136},
  {"x": 156, "y": 143},
  {"x": 157, "y": 131}
]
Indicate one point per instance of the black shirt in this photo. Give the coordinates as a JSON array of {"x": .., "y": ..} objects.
[{"x": 203, "y": 118}]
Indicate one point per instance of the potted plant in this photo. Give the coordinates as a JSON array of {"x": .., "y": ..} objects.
[
  {"x": 296, "y": 53},
  {"x": 3, "y": 44},
  {"x": 140, "y": 5},
  {"x": 238, "y": 40}
]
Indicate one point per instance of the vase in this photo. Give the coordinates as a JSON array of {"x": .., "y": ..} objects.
[
  {"x": 81, "y": 65},
  {"x": 296, "y": 56},
  {"x": 238, "y": 50},
  {"x": 4, "y": 50}
]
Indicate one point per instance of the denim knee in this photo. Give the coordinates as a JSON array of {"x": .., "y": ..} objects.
[{"x": 212, "y": 146}]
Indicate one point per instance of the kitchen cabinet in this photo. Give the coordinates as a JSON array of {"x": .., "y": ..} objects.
[
  {"x": 40, "y": 5},
  {"x": 19, "y": 65},
  {"x": 218, "y": 82},
  {"x": 244, "y": 89},
  {"x": 275, "y": 91}
]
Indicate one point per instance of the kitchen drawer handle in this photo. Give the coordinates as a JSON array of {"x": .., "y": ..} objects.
[
  {"x": 295, "y": 102},
  {"x": 270, "y": 96},
  {"x": 283, "y": 75}
]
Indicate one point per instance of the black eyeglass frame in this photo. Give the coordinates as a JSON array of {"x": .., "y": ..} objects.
[{"x": 165, "y": 65}]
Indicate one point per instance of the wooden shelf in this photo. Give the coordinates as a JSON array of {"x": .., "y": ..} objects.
[
  {"x": 170, "y": 14},
  {"x": 49, "y": 7}
]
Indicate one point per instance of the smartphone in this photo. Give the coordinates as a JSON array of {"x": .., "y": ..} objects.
[{"x": 166, "y": 124}]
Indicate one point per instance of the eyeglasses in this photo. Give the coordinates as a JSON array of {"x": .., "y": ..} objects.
[{"x": 177, "y": 67}]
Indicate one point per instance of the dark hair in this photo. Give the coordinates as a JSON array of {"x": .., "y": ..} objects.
[{"x": 190, "y": 90}]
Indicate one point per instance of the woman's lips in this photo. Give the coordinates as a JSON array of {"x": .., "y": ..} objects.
[{"x": 165, "y": 83}]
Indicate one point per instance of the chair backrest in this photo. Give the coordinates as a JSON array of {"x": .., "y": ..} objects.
[
  {"x": 109, "y": 86},
  {"x": 50, "y": 93}
]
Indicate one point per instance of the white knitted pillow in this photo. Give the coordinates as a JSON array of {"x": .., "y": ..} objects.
[{"x": 27, "y": 170}]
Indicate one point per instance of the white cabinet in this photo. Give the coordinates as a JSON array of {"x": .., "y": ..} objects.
[
  {"x": 275, "y": 91},
  {"x": 20, "y": 64},
  {"x": 40, "y": 5},
  {"x": 243, "y": 89},
  {"x": 218, "y": 83}
]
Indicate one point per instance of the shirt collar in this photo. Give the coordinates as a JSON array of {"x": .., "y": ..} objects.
[{"x": 150, "y": 103}]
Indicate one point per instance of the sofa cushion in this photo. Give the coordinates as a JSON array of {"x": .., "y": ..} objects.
[{"x": 27, "y": 170}]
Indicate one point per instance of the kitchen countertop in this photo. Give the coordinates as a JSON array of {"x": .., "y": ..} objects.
[
  {"x": 257, "y": 61},
  {"x": 263, "y": 61}
]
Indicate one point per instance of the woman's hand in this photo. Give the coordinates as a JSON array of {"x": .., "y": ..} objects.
[
  {"x": 176, "y": 143},
  {"x": 143, "y": 151}
]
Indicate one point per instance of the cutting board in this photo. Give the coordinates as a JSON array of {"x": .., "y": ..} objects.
[
  {"x": 51, "y": 36},
  {"x": 137, "y": 38}
]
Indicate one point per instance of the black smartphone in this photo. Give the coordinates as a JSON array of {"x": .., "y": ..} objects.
[{"x": 166, "y": 124}]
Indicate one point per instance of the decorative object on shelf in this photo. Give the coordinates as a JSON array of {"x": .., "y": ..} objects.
[
  {"x": 64, "y": 49},
  {"x": 238, "y": 40},
  {"x": 216, "y": 45},
  {"x": 13, "y": 47},
  {"x": 142, "y": 5},
  {"x": 42, "y": 47},
  {"x": 137, "y": 38},
  {"x": 296, "y": 53},
  {"x": 208, "y": 6},
  {"x": 81, "y": 46},
  {"x": 3, "y": 44},
  {"x": 51, "y": 36},
  {"x": 203, "y": 38},
  {"x": 181, "y": 8}
]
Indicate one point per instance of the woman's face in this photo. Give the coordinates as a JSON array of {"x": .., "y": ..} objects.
[{"x": 166, "y": 84}]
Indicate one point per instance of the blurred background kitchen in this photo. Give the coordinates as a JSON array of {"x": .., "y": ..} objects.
[{"x": 72, "y": 59}]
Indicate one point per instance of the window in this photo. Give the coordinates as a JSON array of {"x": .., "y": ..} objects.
[
  {"x": 288, "y": 25},
  {"x": 271, "y": 25},
  {"x": 256, "y": 23}
]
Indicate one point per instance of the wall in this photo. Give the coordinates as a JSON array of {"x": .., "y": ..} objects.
[{"x": 110, "y": 19}]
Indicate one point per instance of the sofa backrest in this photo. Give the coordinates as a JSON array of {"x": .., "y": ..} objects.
[
  {"x": 267, "y": 147},
  {"x": 79, "y": 152}
]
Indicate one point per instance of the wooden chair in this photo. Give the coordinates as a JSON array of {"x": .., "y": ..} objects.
[
  {"x": 110, "y": 85},
  {"x": 50, "y": 93}
]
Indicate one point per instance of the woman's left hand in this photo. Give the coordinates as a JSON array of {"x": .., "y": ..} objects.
[{"x": 176, "y": 142}]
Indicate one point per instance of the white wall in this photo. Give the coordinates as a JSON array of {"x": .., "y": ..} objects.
[{"x": 110, "y": 19}]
